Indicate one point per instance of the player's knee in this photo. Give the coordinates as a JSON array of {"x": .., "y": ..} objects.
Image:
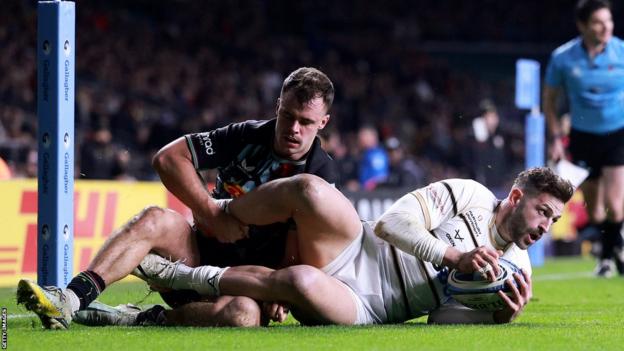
[
  {"x": 309, "y": 187},
  {"x": 301, "y": 280},
  {"x": 153, "y": 221},
  {"x": 242, "y": 312},
  {"x": 615, "y": 212}
]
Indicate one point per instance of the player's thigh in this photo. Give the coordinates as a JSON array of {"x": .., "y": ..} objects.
[
  {"x": 326, "y": 221},
  {"x": 175, "y": 238},
  {"x": 318, "y": 298}
]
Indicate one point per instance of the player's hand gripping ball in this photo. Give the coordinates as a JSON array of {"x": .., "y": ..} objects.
[{"x": 476, "y": 292}]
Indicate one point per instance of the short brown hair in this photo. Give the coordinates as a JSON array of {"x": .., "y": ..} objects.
[
  {"x": 308, "y": 83},
  {"x": 585, "y": 8},
  {"x": 543, "y": 180}
]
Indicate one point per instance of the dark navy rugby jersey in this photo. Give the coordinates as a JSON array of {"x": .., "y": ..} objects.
[{"x": 243, "y": 155}]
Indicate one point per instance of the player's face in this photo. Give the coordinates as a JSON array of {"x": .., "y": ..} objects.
[
  {"x": 599, "y": 27},
  {"x": 532, "y": 217},
  {"x": 297, "y": 125}
]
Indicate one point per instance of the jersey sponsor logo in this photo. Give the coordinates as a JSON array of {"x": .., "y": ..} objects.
[
  {"x": 450, "y": 239},
  {"x": 472, "y": 222},
  {"x": 204, "y": 139},
  {"x": 457, "y": 236}
]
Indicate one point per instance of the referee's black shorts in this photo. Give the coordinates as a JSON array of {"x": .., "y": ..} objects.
[{"x": 594, "y": 151}]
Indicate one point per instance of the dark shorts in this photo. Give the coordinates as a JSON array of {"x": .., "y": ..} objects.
[
  {"x": 264, "y": 247},
  {"x": 594, "y": 151}
]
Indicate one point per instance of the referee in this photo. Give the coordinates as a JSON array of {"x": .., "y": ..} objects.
[{"x": 590, "y": 70}]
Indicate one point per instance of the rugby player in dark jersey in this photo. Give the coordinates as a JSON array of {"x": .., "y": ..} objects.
[{"x": 245, "y": 155}]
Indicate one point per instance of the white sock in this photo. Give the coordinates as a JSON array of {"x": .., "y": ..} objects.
[
  {"x": 74, "y": 301},
  {"x": 203, "y": 279}
]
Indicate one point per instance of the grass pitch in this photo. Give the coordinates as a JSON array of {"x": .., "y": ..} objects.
[{"x": 570, "y": 310}]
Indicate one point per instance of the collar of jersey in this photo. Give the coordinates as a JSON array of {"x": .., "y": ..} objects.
[{"x": 497, "y": 240}]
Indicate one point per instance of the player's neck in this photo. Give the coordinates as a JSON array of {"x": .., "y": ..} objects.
[
  {"x": 593, "y": 48},
  {"x": 501, "y": 230}
]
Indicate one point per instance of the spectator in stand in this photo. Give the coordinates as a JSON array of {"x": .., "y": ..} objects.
[
  {"x": 490, "y": 156},
  {"x": 404, "y": 172},
  {"x": 98, "y": 155},
  {"x": 374, "y": 162}
]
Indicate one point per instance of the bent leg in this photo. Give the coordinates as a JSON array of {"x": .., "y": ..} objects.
[
  {"x": 326, "y": 221},
  {"x": 313, "y": 296},
  {"x": 154, "y": 229},
  {"x": 224, "y": 311}
]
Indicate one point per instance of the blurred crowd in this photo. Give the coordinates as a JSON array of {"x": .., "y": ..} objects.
[{"x": 149, "y": 72}]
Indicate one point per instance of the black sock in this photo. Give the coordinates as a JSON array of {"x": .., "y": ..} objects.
[
  {"x": 610, "y": 238},
  {"x": 87, "y": 285}
]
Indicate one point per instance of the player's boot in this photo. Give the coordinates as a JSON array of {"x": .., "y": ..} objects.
[
  {"x": 49, "y": 303},
  {"x": 604, "y": 269},
  {"x": 99, "y": 314},
  {"x": 157, "y": 270}
]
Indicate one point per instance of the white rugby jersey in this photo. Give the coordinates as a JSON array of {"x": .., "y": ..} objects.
[{"x": 459, "y": 212}]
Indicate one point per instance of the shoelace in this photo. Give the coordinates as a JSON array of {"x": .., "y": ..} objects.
[{"x": 56, "y": 291}]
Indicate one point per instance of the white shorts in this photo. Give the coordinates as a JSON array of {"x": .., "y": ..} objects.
[{"x": 364, "y": 267}]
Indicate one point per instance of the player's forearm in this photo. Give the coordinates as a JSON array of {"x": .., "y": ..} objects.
[
  {"x": 451, "y": 257},
  {"x": 403, "y": 230},
  {"x": 550, "y": 112},
  {"x": 179, "y": 176}
]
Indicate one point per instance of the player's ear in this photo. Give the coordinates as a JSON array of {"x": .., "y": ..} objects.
[
  {"x": 277, "y": 105},
  {"x": 324, "y": 121},
  {"x": 515, "y": 195}
]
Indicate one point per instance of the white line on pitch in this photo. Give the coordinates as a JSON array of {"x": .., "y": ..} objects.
[
  {"x": 563, "y": 276},
  {"x": 18, "y": 316}
]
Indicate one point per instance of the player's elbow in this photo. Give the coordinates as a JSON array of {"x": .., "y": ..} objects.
[
  {"x": 160, "y": 160},
  {"x": 170, "y": 155}
]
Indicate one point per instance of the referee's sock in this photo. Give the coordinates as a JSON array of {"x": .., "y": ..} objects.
[
  {"x": 83, "y": 289},
  {"x": 610, "y": 238}
]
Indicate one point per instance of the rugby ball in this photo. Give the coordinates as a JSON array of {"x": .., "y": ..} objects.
[{"x": 472, "y": 290}]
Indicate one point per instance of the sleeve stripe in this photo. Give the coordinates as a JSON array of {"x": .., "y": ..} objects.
[
  {"x": 189, "y": 143},
  {"x": 424, "y": 208},
  {"x": 448, "y": 187}
]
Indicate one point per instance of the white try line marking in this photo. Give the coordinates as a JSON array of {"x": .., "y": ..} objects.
[
  {"x": 563, "y": 276},
  {"x": 18, "y": 316}
]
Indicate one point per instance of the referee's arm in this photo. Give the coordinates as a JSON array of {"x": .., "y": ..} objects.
[{"x": 550, "y": 96}]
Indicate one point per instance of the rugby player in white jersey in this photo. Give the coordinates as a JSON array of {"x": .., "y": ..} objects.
[{"x": 389, "y": 271}]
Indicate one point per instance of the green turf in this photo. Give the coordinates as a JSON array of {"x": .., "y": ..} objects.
[{"x": 570, "y": 311}]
